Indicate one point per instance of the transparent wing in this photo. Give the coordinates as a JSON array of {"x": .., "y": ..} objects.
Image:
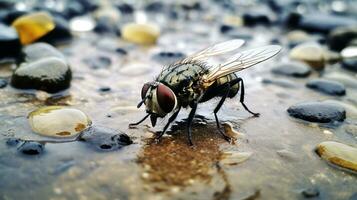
[
  {"x": 242, "y": 61},
  {"x": 217, "y": 49}
]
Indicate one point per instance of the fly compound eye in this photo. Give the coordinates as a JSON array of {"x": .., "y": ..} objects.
[
  {"x": 144, "y": 90},
  {"x": 165, "y": 98}
]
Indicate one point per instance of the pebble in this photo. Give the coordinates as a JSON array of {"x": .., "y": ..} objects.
[
  {"x": 97, "y": 62},
  {"x": 155, "y": 6},
  {"x": 350, "y": 52},
  {"x": 3, "y": 83},
  {"x": 125, "y": 8},
  {"x": 10, "y": 45},
  {"x": 10, "y": 15},
  {"x": 168, "y": 57},
  {"x": 104, "y": 89},
  {"x": 234, "y": 158},
  {"x": 340, "y": 37},
  {"x": 350, "y": 64},
  {"x": 345, "y": 79},
  {"x": 31, "y": 148},
  {"x": 33, "y": 26},
  {"x": 103, "y": 138},
  {"x": 144, "y": 34},
  {"x": 310, "y": 192},
  {"x": 327, "y": 86},
  {"x": 58, "y": 121},
  {"x": 121, "y": 51},
  {"x": 294, "y": 69},
  {"x": 37, "y": 51},
  {"x": 311, "y": 53},
  {"x": 322, "y": 112},
  {"x": 339, "y": 154},
  {"x": 82, "y": 24},
  {"x": 48, "y": 74},
  {"x": 253, "y": 18}
]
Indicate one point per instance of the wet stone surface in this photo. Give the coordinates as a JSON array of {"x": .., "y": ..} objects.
[
  {"x": 9, "y": 42},
  {"x": 327, "y": 86},
  {"x": 318, "y": 112}
]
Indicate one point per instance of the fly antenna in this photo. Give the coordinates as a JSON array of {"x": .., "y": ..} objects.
[{"x": 141, "y": 102}]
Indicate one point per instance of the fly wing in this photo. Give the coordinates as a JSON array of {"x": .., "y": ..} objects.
[
  {"x": 217, "y": 49},
  {"x": 240, "y": 61}
]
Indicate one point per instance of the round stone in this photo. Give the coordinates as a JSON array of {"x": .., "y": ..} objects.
[
  {"x": 340, "y": 37},
  {"x": 339, "y": 154},
  {"x": 327, "y": 86},
  {"x": 294, "y": 69},
  {"x": 48, "y": 74},
  {"x": 350, "y": 64},
  {"x": 41, "y": 50},
  {"x": 144, "y": 34},
  {"x": 58, "y": 121},
  {"x": 322, "y": 112},
  {"x": 33, "y": 26},
  {"x": 310, "y": 53}
]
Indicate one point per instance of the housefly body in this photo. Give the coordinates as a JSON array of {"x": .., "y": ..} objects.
[{"x": 191, "y": 81}]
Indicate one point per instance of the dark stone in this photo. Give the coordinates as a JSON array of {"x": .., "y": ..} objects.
[
  {"x": 310, "y": 192},
  {"x": 125, "y": 8},
  {"x": 327, "y": 86},
  {"x": 340, "y": 37},
  {"x": 103, "y": 138},
  {"x": 10, "y": 45},
  {"x": 104, "y": 89},
  {"x": 60, "y": 34},
  {"x": 48, "y": 74},
  {"x": 322, "y": 112},
  {"x": 31, "y": 148},
  {"x": 294, "y": 69},
  {"x": 350, "y": 64},
  {"x": 255, "y": 18},
  {"x": 3, "y": 83},
  {"x": 154, "y": 7},
  {"x": 191, "y": 6},
  {"x": 226, "y": 28},
  {"x": 121, "y": 51},
  {"x": 292, "y": 20},
  {"x": 89, "y": 5},
  {"x": 13, "y": 141},
  {"x": 9, "y": 16},
  {"x": 98, "y": 62},
  {"x": 104, "y": 26},
  {"x": 73, "y": 8},
  {"x": 324, "y": 23}
]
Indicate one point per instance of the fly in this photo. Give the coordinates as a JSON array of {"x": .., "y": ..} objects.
[{"x": 191, "y": 81}]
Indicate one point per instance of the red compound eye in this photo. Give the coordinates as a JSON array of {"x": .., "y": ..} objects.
[
  {"x": 144, "y": 90},
  {"x": 166, "y": 98}
]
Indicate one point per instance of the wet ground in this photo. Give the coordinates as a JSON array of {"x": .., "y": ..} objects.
[{"x": 274, "y": 154}]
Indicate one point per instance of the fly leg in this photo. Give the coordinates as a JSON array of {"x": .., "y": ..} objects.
[
  {"x": 137, "y": 123},
  {"x": 242, "y": 97},
  {"x": 171, "y": 119},
  {"x": 219, "y": 105},
  {"x": 189, "y": 123}
]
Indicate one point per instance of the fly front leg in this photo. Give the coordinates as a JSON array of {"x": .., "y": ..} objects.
[
  {"x": 171, "y": 119},
  {"x": 137, "y": 123},
  {"x": 189, "y": 123},
  {"x": 226, "y": 90}
]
